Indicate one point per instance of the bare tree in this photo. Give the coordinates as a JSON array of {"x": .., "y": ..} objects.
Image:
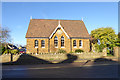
[{"x": 4, "y": 35}]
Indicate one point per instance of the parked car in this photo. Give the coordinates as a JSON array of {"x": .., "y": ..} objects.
[{"x": 22, "y": 51}]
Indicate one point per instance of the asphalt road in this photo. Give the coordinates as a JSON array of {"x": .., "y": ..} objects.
[{"x": 74, "y": 70}]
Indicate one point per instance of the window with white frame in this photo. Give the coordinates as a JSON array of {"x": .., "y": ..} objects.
[
  {"x": 42, "y": 43},
  {"x": 62, "y": 41},
  {"x": 36, "y": 43},
  {"x": 55, "y": 41},
  {"x": 74, "y": 43},
  {"x": 80, "y": 43}
]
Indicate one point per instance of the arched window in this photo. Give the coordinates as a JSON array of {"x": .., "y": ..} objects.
[
  {"x": 55, "y": 41},
  {"x": 62, "y": 41},
  {"x": 42, "y": 43},
  {"x": 74, "y": 43},
  {"x": 80, "y": 43},
  {"x": 36, "y": 43}
]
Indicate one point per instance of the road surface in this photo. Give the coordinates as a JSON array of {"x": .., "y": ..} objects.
[{"x": 67, "y": 70}]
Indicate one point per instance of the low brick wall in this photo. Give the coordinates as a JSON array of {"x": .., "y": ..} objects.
[
  {"x": 117, "y": 51},
  {"x": 7, "y": 58},
  {"x": 54, "y": 56},
  {"x": 61, "y": 56}
]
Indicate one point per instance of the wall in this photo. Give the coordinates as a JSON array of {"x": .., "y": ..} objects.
[
  {"x": 59, "y": 33},
  {"x": 67, "y": 42},
  {"x": 61, "y": 56},
  {"x": 117, "y": 51},
  {"x": 31, "y": 48},
  {"x": 85, "y": 45}
]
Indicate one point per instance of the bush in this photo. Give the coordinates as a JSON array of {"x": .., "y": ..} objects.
[
  {"x": 3, "y": 49},
  {"x": 6, "y": 51},
  {"x": 14, "y": 51},
  {"x": 110, "y": 54},
  {"x": 51, "y": 59},
  {"x": 71, "y": 52},
  {"x": 61, "y": 51},
  {"x": 99, "y": 48},
  {"x": 10, "y": 51},
  {"x": 78, "y": 51}
]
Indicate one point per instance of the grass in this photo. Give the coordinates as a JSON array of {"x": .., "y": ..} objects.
[
  {"x": 110, "y": 55},
  {"x": 51, "y": 59}
]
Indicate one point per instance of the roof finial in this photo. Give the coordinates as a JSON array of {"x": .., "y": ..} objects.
[
  {"x": 59, "y": 22},
  {"x": 30, "y": 17},
  {"x": 82, "y": 19}
]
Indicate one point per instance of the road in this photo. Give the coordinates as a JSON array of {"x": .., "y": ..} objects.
[{"x": 67, "y": 70}]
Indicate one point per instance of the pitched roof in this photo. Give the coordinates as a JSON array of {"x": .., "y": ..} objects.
[{"x": 45, "y": 27}]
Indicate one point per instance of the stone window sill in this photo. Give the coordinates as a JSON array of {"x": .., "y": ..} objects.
[
  {"x": 56, "y": 47},
  {"x": 80, "y": 47},
  {"x": 36, "y": 47},
  {"x": 75, "y": 47}
]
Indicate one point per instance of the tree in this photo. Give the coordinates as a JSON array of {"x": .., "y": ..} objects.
[
  {"x": 4, "y": 38},
  {"x": 4, "y": 35},
  {"x": 117, "y": 42},
  {"x": 105, "y": 36}
]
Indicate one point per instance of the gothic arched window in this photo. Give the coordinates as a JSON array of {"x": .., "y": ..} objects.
[
  {"x": 62, "y": 41},
  {"x": 55, "y": 41}
]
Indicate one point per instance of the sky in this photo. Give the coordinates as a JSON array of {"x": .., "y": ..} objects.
[{"x": 16, "y": 15}]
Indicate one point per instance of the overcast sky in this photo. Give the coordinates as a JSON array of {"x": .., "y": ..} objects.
[{"x": 16, "y": 16}]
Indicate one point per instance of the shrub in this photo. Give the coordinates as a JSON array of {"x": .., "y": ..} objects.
[
  {"x": 110, "y": 54},
  {"x": 61, "y": 51},
  {"x": 51, "y": 59},
  {"x": 78, "y": 51},
  {"x": 3, "y": 49},
  {"x": 6, "y": 51},
  {"x": 14, "y": 51},
  {"x": 71, "y": 52},
  {"x": 99, "y": 48}
]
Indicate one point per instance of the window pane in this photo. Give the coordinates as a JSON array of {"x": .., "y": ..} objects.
[
  {"x": 42, "y": 43},
  {"x": 74, "y": 43},
  {"x": 36, "y": 43},
  {"x": 80, "y": 43},
  {"x": 56, "y": 41},
  {"x": 62, "y": 41}
]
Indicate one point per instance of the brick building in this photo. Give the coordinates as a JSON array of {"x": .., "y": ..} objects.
[{"x": 44, "y": 35}]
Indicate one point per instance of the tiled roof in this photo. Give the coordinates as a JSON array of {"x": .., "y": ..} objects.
[{"x": 45, "y": 27}]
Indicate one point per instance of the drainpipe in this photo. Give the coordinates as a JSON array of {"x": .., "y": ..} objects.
[
  {"x": 37, "y": 50},
  {"x": 48, "y": 45},
  {"x": 70, "y": 44}
]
